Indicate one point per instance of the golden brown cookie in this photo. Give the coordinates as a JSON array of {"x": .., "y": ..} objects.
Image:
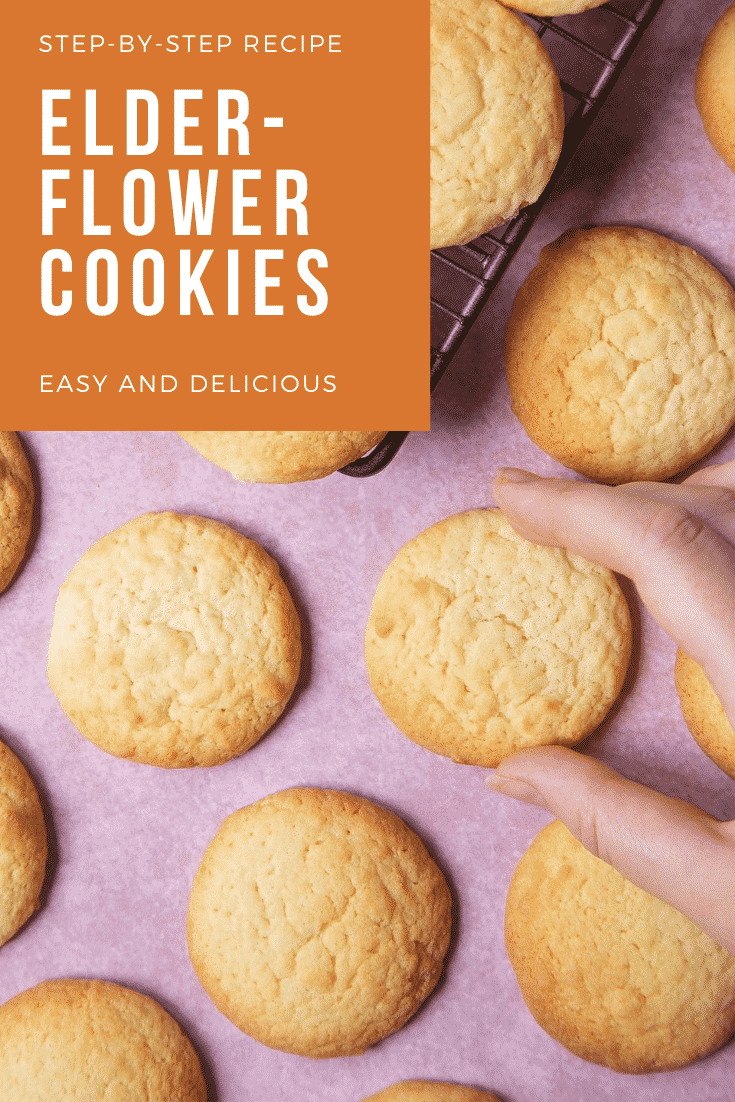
[
  {"x": 318, "y": 923},
  {"x": 76, "y": 1040},
  {"x": 175, "y": 642},
  {"x": 553, "y": 7},
  {"x": 616, "y": 976},
  {"x": 703, "y": 714},
  {"x": 295, "y": 456},
  {"x": 421, "y": 1090},
  {"x": 480, "y": 643},
  {"x": 16, "y": 506},
  {"x": 714, "y": 87},
  {"x": 497, "y": 118},
  {"x": 23, "y": 845},
  {"x": 620, "y": 354}
]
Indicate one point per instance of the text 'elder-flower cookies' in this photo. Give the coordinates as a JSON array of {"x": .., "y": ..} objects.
[
  {"x": 82, "y": 1040},
  {"x": 620, "y": 354},
  {"x": 616, "y": 976},
  {"x": 175, "y": 642},
  {"x": 497, "y": 118},
  {"x": 318, "y": 922},
  {"x": 480, "y": 643}
]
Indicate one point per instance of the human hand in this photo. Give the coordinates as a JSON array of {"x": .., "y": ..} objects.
[{"x": 677, "y": 544}]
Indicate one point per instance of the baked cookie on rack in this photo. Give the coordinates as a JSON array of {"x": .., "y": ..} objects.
[
  {"x": 423, "y": 1090},
  {"x": 480, "y": 643},
  {"x": 318, "y": 923},
  {"x": 82, "y": 1039},
  {"x": 16, "y": 506},
  {"x": 497, "y": 118},
  {"x": 620, "y": 354},
  {"x": 23, "y": 845},
  {"x": 296, "y": 456},
  {"x": 175, "y": 642},
  {"x": 703, "y": 713},
  {"x": 615, "y": 975},
  {"x": 714, "y": 87}
]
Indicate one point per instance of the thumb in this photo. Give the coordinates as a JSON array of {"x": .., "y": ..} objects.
[{"x": 668, "y": 847}]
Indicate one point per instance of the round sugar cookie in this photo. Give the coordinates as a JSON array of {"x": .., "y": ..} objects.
[
  {"x": 296, "y": 456},
  {"x": 703, "y": 714},
  {"x": 175, "y": 642},
  {"x": 480, "y": 643},
  {"x": 616, "y": 976},
  {"x": 78, "y": 1040},
  {"x": 497, "y": 118},
  {"x": 23, "y": 845},
  {"x": 553, "y": 7},
  {"x": 16, "y": 506},
  {"x": 318, "y": 923},
  {"x": 620, "y": 354},
  {"x": 714, "y": 86},
  {"x": 422, "y": 1090}
]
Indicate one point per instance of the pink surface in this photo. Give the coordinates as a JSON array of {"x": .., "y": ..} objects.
[{"x": 127, "y": 838}]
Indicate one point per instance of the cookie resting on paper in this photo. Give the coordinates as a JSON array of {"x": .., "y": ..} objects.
[
  {"x": 703, "y": 713},
  {"x": 497, "y": 118},
  {"x": 714, "y": 86},
  {"x": 16, "y": 506},
  {"x": 480, "y": 643},
  {"x": 23, "y": 845},
  {"x": 175, "y": 642},
  {"x": 615, "y": 975},
  {"x": 422, "y": 1090},
  {"x": 79, "y": 1040},
  {"x": 620, "y": 354},
  {"x": 318, "y": 923},
  {"x": 297, "y": 456}
]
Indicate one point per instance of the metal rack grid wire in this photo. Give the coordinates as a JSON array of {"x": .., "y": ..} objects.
[{"x": 589, "y": 52}]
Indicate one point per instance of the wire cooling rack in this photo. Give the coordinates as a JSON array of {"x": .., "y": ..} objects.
[{"x": 589, "y": 52}]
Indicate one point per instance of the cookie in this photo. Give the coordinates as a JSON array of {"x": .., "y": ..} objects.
[
  {"x": 480, "y": 643},
  {"x": 421, "y": 1090},
  {"x": 497, "y": 118},
  {"x": 554, "y": 7},
  {"x": 23, "y": 845},
  {"x": 175, "y": 642},
  {"x": 703, "y": 714},
  {"x": 318, "y": 923},
  {"x": 714, "y": 86},
  {"x": 77, "y": 1040},
  {"x": 615, "y": 975},
  {"x": 16, "y": 506},
  {"x": 282, "y": 456},
  {"x": 620, "y": 354}
]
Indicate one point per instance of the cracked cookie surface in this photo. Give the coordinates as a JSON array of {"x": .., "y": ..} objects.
[
  {"x": 497, "y": 118},
  {"x": 73, "y": 1039},
  {"x": 318, "y": 923},
  {"x": 613, "y": 974},
  {"x": 620, "y": 354},
  {"x": 23, "y": 845},
  {"x": 175, "y": 642},
  {"x": 288, "y": 456},
  {"x": 480, "y": 643},
  {"x": 16, "y": 506}
]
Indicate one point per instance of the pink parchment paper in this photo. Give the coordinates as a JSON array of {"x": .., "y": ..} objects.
[{"x": 127, "y": 838}]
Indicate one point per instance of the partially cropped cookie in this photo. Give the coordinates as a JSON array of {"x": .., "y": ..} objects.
[
  {"x": 480, "y": 643},
  {"x": 77, "y": 1040},
  {"x": 175, "y": 642},
  {"x": 553, "y": 7},
  {"x": 318, "y": 923},
  {"x": 612, "y": 973},
  {"x": 703, "y": 713},
  {"x": 715, "y": 86},
  {"x": 297, "y": 456},
  {"x": 620, "y": 354},
  {"x": 421, "y": 1090},
  {"x": 497, "y": 118},
  {"x": 16, "y": 506},
  {"x": 23, "y": 845}
]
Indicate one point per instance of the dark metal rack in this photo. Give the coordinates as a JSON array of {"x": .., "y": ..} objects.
[{"x": 589, "y": 51}]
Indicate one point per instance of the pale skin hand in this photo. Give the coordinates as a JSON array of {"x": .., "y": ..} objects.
[{"x": 677, "y": 544}]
